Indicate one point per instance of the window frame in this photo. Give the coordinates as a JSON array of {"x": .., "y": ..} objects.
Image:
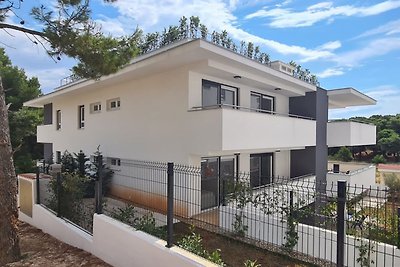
[
  {"x": 272, "y": 163},
  {"x": 117, "y": 101},
  {"x": 58, "y": 119},
  {"x": 92, "y": 107},
  {"x": 220, "y": 88},
  {"x": 81, "y": 117},
  {"x": 272, "y": 98}
]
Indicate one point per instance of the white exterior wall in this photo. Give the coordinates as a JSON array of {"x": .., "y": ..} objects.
[
  {"x": 114, "y": 242},
  {"x": 154, "y": 122},
  {"x": 349, "y": 133}
]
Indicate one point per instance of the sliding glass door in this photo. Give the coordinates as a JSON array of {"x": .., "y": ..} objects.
[
  {"x": 261, "y": 171},
  {"x": 217, "y": 174}
]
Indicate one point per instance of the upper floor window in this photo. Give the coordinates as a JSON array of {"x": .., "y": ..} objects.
[
  {"x": 115, "y": 162},
  {"x": 214, "y": 94},
  {"x": 95, "y": 107},
  {"x": 262, "y": 102},
  {"x": 113, "y": 104},
  {"x": 58, "y": 119},
  {"x": 81, "y": 116}
]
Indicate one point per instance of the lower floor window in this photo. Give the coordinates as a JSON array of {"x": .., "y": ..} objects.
[{"x": 261, "y": 169}]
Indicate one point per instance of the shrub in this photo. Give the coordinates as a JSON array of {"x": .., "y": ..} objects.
[
  {"x": 70, "y": 195},
  {"x": 344, "y": 154},
  {"x": 193, "y": 243},
  {"x": 393, "y": 182},
  {"x": 378, "y": 159}
]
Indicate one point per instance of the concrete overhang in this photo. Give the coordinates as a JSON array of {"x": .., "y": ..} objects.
[
  {"x": 192, "y": 53},
  {"x": 348, "y": 97}
]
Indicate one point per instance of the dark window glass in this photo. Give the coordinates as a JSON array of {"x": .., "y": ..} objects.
[
  {"x": 260, "y": 169},
  {"x": 214, "y": 94}
]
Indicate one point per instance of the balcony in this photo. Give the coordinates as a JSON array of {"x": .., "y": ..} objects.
[
  {"x": 233, "y": 128},
  {"x": 356, "y": 176},
  {"x": 45, "y": 133},
  {"x": 350, "y": 133}
]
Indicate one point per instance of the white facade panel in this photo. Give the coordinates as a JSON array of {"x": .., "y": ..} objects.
[
  {"x": 350, "y": 133},
  {"x": 255, "y": 130}
]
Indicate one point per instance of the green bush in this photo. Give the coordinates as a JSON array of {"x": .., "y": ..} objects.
[
  {"x": 70, "y": 195},
  {"x": 378, "y": 159},
  {"x": 145, "y": 223},
  {"x": 344, "y": 154},
  {"x": 393, "y": 182},
  {"x": 193, "y": 243}
]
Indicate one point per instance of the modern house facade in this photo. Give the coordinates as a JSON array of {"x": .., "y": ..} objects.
[{"x": 199, "y": 104}]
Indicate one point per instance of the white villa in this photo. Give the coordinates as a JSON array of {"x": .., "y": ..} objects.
[{"x": 200, "y": 104}]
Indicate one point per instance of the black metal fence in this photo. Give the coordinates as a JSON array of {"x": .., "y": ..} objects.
[
  {"x": 327, "y": 224},
  {"x": 337, "y": 224}
]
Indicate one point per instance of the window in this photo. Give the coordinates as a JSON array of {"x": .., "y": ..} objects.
[
  {"x": 261, "y": 169},
  {"x": 58, "y": 119},
  {"x": 214, "y": 94},
  {"x": 81, "y": 117},
  {"x": 58, "y": 157},
  {"x": 113, "y": 104},
  {"x": 262, "y": 102},
  {"x": 115, "y": 162},
  {"x": 95, "y": 107}
]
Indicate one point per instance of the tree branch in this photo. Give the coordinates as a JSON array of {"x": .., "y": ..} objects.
[{"x": 21, "y": 29}]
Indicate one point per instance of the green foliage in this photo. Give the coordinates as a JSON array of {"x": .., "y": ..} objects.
[
  {"x": 145, "y": 223},
  {"x": 250, "y": 263},
  {"x": 378, "y": 159},
  {"x": 70, "y": 31},
  {"x": 241, "y": 195},
  {"x": 125, "y": 215},
  {"x": 393, "y": 182},
  {"x": 70, "y": 195},
  {"x": 344, "y": 154},
  {"x": 22, "y": 120},
  {"x": 193, "y": 243}
]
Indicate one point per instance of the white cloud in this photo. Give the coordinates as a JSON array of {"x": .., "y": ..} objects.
[
  {"x": 375, "y": 48},
  {"x": 388, "y": 99},
  {"x": 217, "y": 15},
  {"x": 285, "y": 17},
  {"x": 330, "y": 72},
  {"x": 389, "y": 28}
]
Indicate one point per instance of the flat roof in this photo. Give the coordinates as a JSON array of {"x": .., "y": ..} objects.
[
  {"x": 348, "y": 97},
  {"x": 209, "y": 59}
]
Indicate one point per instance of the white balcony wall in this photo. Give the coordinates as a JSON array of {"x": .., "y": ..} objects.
[
  {"x": 349, "y": 133},
  {"x": 45, "y": 133},
  {"x": 253, "y": 130},
  {"x": 357, "y": 179}
]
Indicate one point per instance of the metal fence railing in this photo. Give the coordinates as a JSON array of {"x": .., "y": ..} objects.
[
  {"x": 297, "y": 216},
  {"x": 325, "y": 224}
]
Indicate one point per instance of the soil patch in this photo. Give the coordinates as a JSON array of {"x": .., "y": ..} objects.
[
  {"x": 40, "y": 249},
  {"x": 235, "y": 253}
]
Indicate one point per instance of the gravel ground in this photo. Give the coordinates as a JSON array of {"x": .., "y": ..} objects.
[{"x": 40, "y": 249}]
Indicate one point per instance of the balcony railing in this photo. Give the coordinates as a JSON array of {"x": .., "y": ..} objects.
[
  {"x": 242, "y": 108},
  {"x": 152, "y": 44}
]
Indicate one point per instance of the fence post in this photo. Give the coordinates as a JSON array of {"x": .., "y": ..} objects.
[
  {"x": 340, "y": 227},
  {"x": 99, "y": 186},
  {"x": 170, "y": 205},
  {"x": 59, "y": 193},
  {"x": 398, "y": 227},
  {"x": 37, "y": 185}
]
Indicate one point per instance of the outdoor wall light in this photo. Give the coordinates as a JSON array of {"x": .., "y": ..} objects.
[
  {"x": 237, "y": 77},
  {"x": 278, "y": 89}
]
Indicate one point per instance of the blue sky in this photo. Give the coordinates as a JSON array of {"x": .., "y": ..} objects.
[{"x": 346, "y": 43}]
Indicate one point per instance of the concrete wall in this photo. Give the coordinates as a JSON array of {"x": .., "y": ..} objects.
[
  {"x": 114, "y": 242},
  {"x": 313, "y": 241},
  {"x": 349, "y": 133}
]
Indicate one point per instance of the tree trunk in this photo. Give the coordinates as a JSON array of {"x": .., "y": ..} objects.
[{"x": 9, "y": 241}]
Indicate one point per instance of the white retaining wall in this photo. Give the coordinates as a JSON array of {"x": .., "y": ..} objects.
[
  {"x": 114, "y": 242},
  {"x": 313, "y": 241}
]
